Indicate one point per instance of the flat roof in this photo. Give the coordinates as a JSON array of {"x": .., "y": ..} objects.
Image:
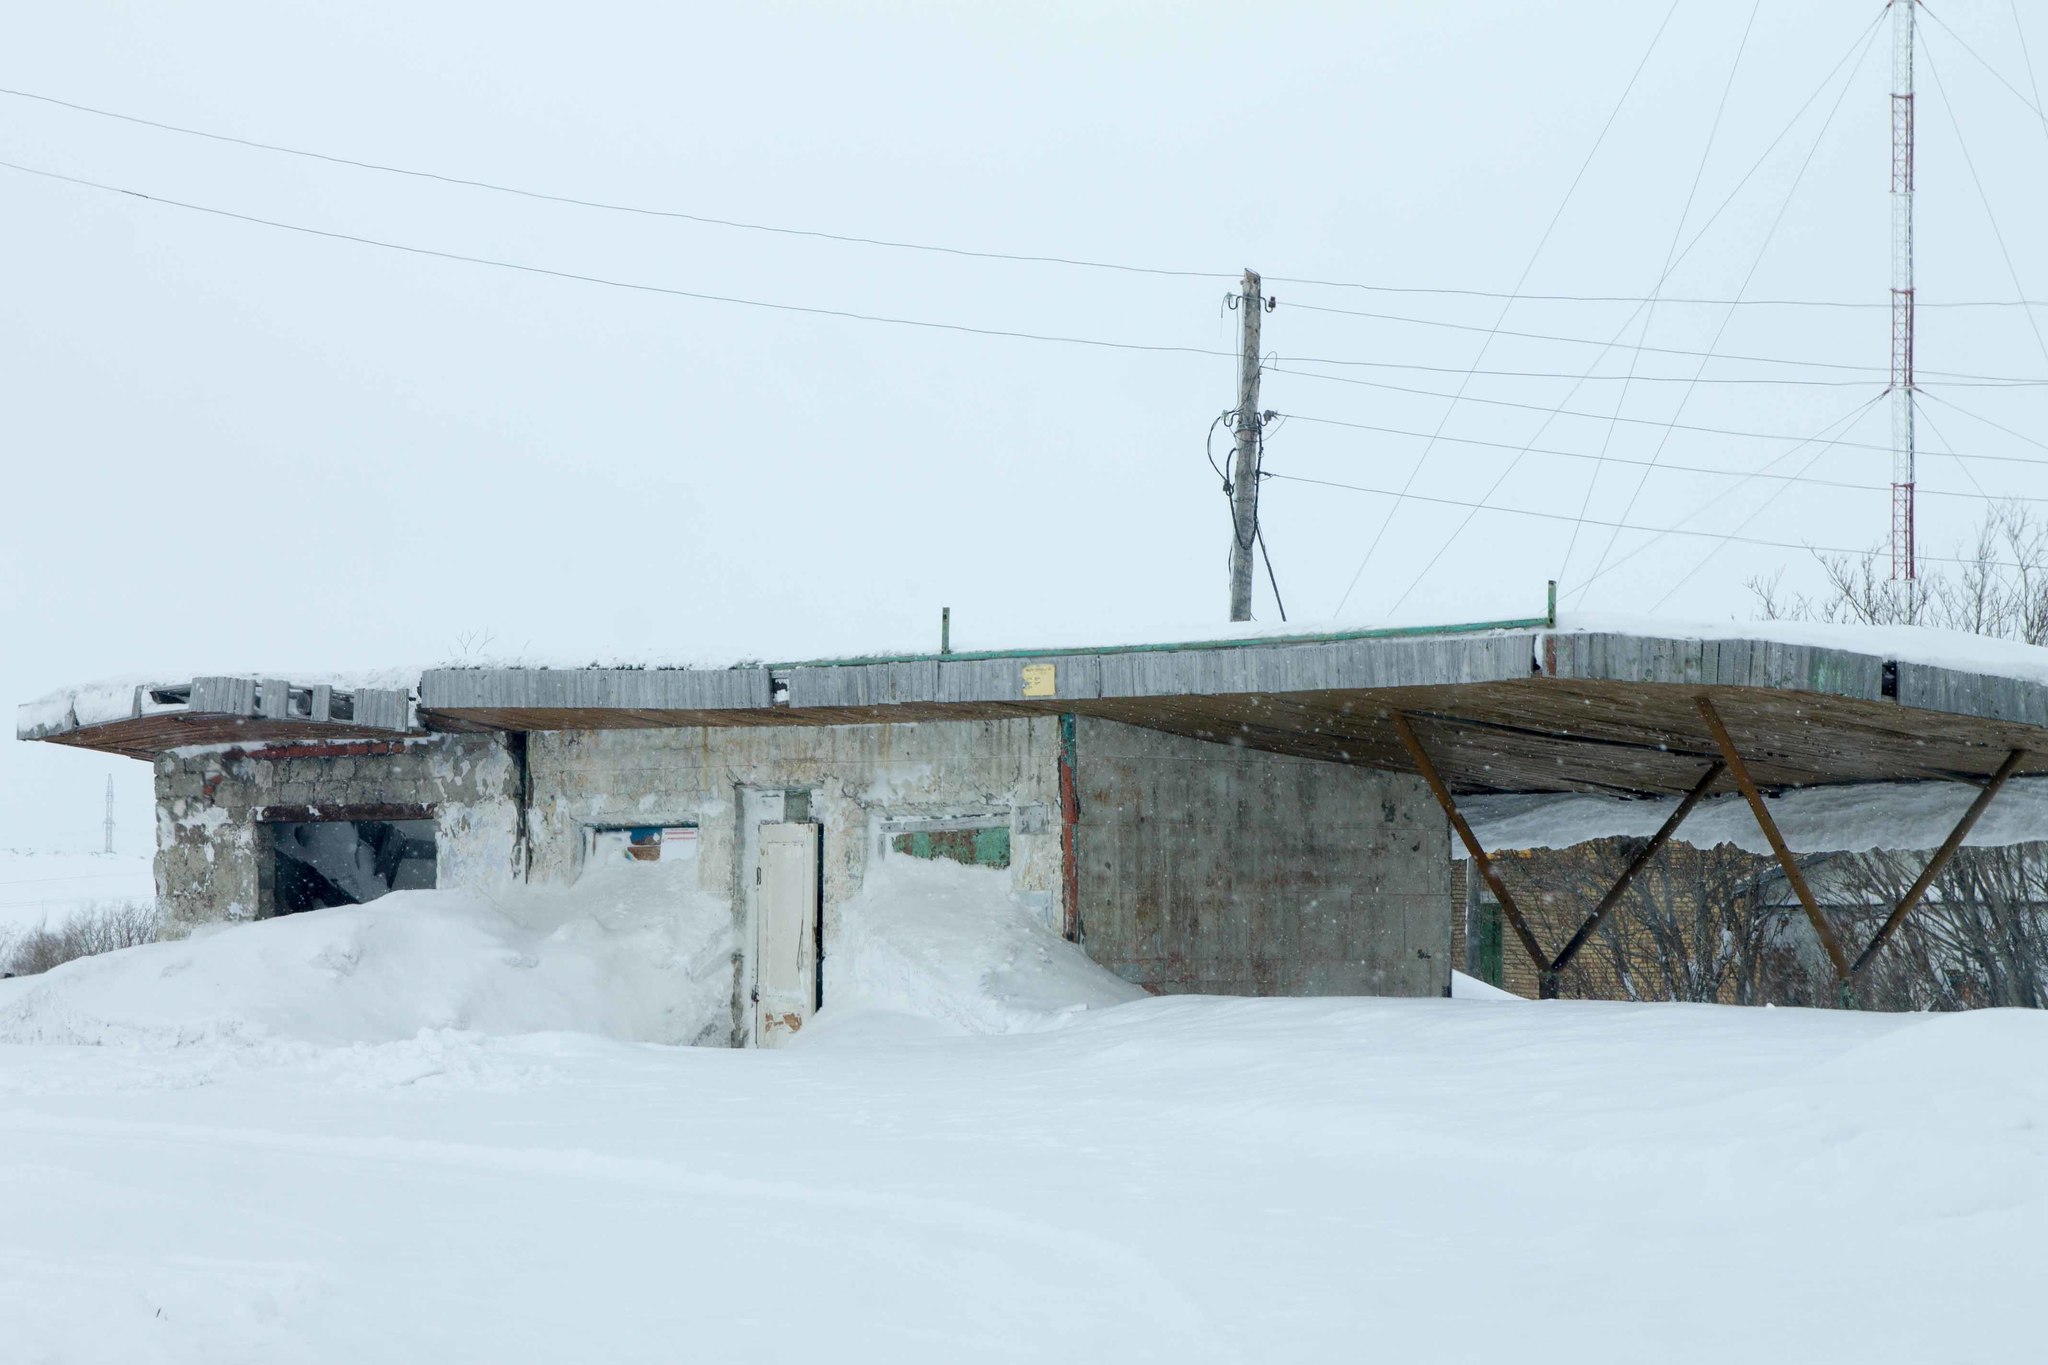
[{"x": 1520, "y": 706}]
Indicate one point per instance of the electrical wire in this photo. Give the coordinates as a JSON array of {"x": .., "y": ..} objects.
[
  {"x": 1724, "y": 541},
  {"x": 635, "y": 286},
  {"x": 1707, "y": 470},
  {"x": 855, "y": 239},
  {"x": 1654, "y": 350},
  {"x": 1921, "y": 413},
  {"x": 1995, "y": 426},
  {"x": 1561, "y": 412},
  {"x": 1831, "y": 435},
  {"x": 1523, "y": 279},
  {"x": 606, "y": 205},
  {"x": 1566, "y": 516},
  {"x": 2033, "y": 105},
  {"x": 1955, "y": 122},
  {"x": 1650, "y": 316},
  {"x": 1756, "y": 263},
  {"x": 1446, "y": 292}
]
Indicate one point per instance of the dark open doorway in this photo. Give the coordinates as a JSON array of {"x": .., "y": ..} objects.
[{"x": 317, "y": 864}]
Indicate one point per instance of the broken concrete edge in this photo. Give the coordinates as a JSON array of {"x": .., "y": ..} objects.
[{"x": 315, "y": 706}]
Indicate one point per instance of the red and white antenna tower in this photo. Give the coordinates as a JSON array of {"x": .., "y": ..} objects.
[{"x": 1902, "y": 290}]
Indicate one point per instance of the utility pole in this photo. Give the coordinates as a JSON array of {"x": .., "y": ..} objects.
[
  {"x": 1903, "y": 569},
  {"x": 1244, "y": 484},
  {"x": 110, "y": 813}
]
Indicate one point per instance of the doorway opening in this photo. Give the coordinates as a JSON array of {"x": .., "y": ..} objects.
[{"x": 319, "y": 864}]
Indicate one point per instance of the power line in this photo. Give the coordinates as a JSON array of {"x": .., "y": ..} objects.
[
  {"x": 1939, "y": 435},
  {"x": 855, "y": 239},
  {"x": 850, "y": 315},
  {"x": 1770, "y": 235},
  {"x": 1828, "y": 436},
  {"x": 608, "y": 206},
  {"x": 1508, "y": 304},
  {"x": 1998, "y": 233},
  {"x": 1446, "y": 292},
  {"x": 2033, "y": 105},
  {"x": 1723, "y": 542},
  {"x": 1642, "y": 336},
  {"x": 1655, "y": 350},
  {"x": 1625, "y": 526},
  {"x": 1996, "y": 426},
  {"x": 609, "y": 283},
  {"x": 1560, "y": 412},
  {"x": 1691, "y": 469}
]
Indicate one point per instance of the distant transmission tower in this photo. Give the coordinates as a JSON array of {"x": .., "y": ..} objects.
[
  {"x": 110, "y": 813},
  {"x": 1902, "y": 291}
]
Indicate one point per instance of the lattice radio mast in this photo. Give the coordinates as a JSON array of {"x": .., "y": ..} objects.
[{"x": 1902, "y": 291}]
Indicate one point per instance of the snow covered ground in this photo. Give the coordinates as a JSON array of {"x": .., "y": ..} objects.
[
  {"x": 44, "y": 887},
  {"x": 375, "y": 1166}
]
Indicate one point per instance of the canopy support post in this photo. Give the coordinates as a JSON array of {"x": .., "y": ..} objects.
[
  {"x": 1508, "y": 908},
  {"x": 1628, "y": 874},
  {"x": 1940, "y": 859},
  {"x": 1740, "y": 772}
]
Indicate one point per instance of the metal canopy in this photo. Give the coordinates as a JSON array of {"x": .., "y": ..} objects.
[
  {"x": 228, "y": 710},
  {"x": 1503, "y": 710},
  {"x": 1500, "y": 711}
]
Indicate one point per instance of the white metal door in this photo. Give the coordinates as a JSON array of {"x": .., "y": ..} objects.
[{"x": 786, "y": 931}]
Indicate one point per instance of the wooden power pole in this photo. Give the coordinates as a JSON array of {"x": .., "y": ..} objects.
[{"x": 1244, "y": 479}]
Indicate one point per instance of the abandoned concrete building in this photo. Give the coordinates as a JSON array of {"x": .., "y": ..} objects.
[{"x": 1262, "y": 816}]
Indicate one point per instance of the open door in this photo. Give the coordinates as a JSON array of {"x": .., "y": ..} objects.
[{"x": 785, "y": 930}]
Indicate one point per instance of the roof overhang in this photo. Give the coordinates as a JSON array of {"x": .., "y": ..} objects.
[
  {"x": 1500, "y": 711},
  {"x": 1518, "y": 709},
  {"x": 149, "y": 718}
]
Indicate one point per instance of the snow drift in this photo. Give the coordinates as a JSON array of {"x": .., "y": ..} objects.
[
  {"x": 947, "y": 942},
  {"x": 640, "y": 956},
  {"x": 636, "y": 954}
]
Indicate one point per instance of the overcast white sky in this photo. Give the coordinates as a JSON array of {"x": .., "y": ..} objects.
[{"x": 231, "y": 447}]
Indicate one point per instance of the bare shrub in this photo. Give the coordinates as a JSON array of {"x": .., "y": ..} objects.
[
  {"x": 1981, "y": 935},
  {"x": 101, "y": 927}
]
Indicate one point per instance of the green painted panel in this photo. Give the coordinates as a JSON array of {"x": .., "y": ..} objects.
[
  {"x": 989, "y": 847},
  {"x": 1489, "y": 963}
]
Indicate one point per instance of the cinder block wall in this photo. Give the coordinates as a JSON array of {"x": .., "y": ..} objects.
[
  {"x": 209, "y": 863},
  {"x": 1209, "y": 868}
]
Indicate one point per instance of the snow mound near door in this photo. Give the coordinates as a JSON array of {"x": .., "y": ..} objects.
[
  {"x": 637, "y": 954},
  {"x": 947, "y": 942}
]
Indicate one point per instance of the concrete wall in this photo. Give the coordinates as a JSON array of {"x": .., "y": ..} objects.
[
  {"x": 854, "y": 779},
  {"x": 1232, "y": 871},
  {"x": 1200, "y": 866},
  {"x": 210, "y": 859}
]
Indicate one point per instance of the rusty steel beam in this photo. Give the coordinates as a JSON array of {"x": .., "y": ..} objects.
[
  {"x": 1628, "y": 874},
  {"x": 1736, "y": 769},
  {"x": 1940, "y": 859},
  {"x": 1513, "y": 912}
]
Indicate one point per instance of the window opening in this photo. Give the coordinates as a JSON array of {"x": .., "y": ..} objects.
[
  {"x": 642, "y": 844},
  {"x": 977, "y": 841},
  {"x": 319, "y": 864}
]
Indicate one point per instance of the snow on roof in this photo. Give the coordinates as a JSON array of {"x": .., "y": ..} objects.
[
  {"x": 1909, "y": 644},
  {"x": 114, "y": 699},
  {"x": 1849, "y": 818}
]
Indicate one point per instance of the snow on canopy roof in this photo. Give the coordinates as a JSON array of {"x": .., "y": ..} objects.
[
  {"x": 1595, "y": 703},
  {"x": 1907, "y": 644},
  {"x": 112, "y": 697},
  {"x": 106, "y": 700},
  {"x": 1850, "y": 818}
]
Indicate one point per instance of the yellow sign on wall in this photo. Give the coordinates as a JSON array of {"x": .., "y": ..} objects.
[{"x": 1039, "y": 681}]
